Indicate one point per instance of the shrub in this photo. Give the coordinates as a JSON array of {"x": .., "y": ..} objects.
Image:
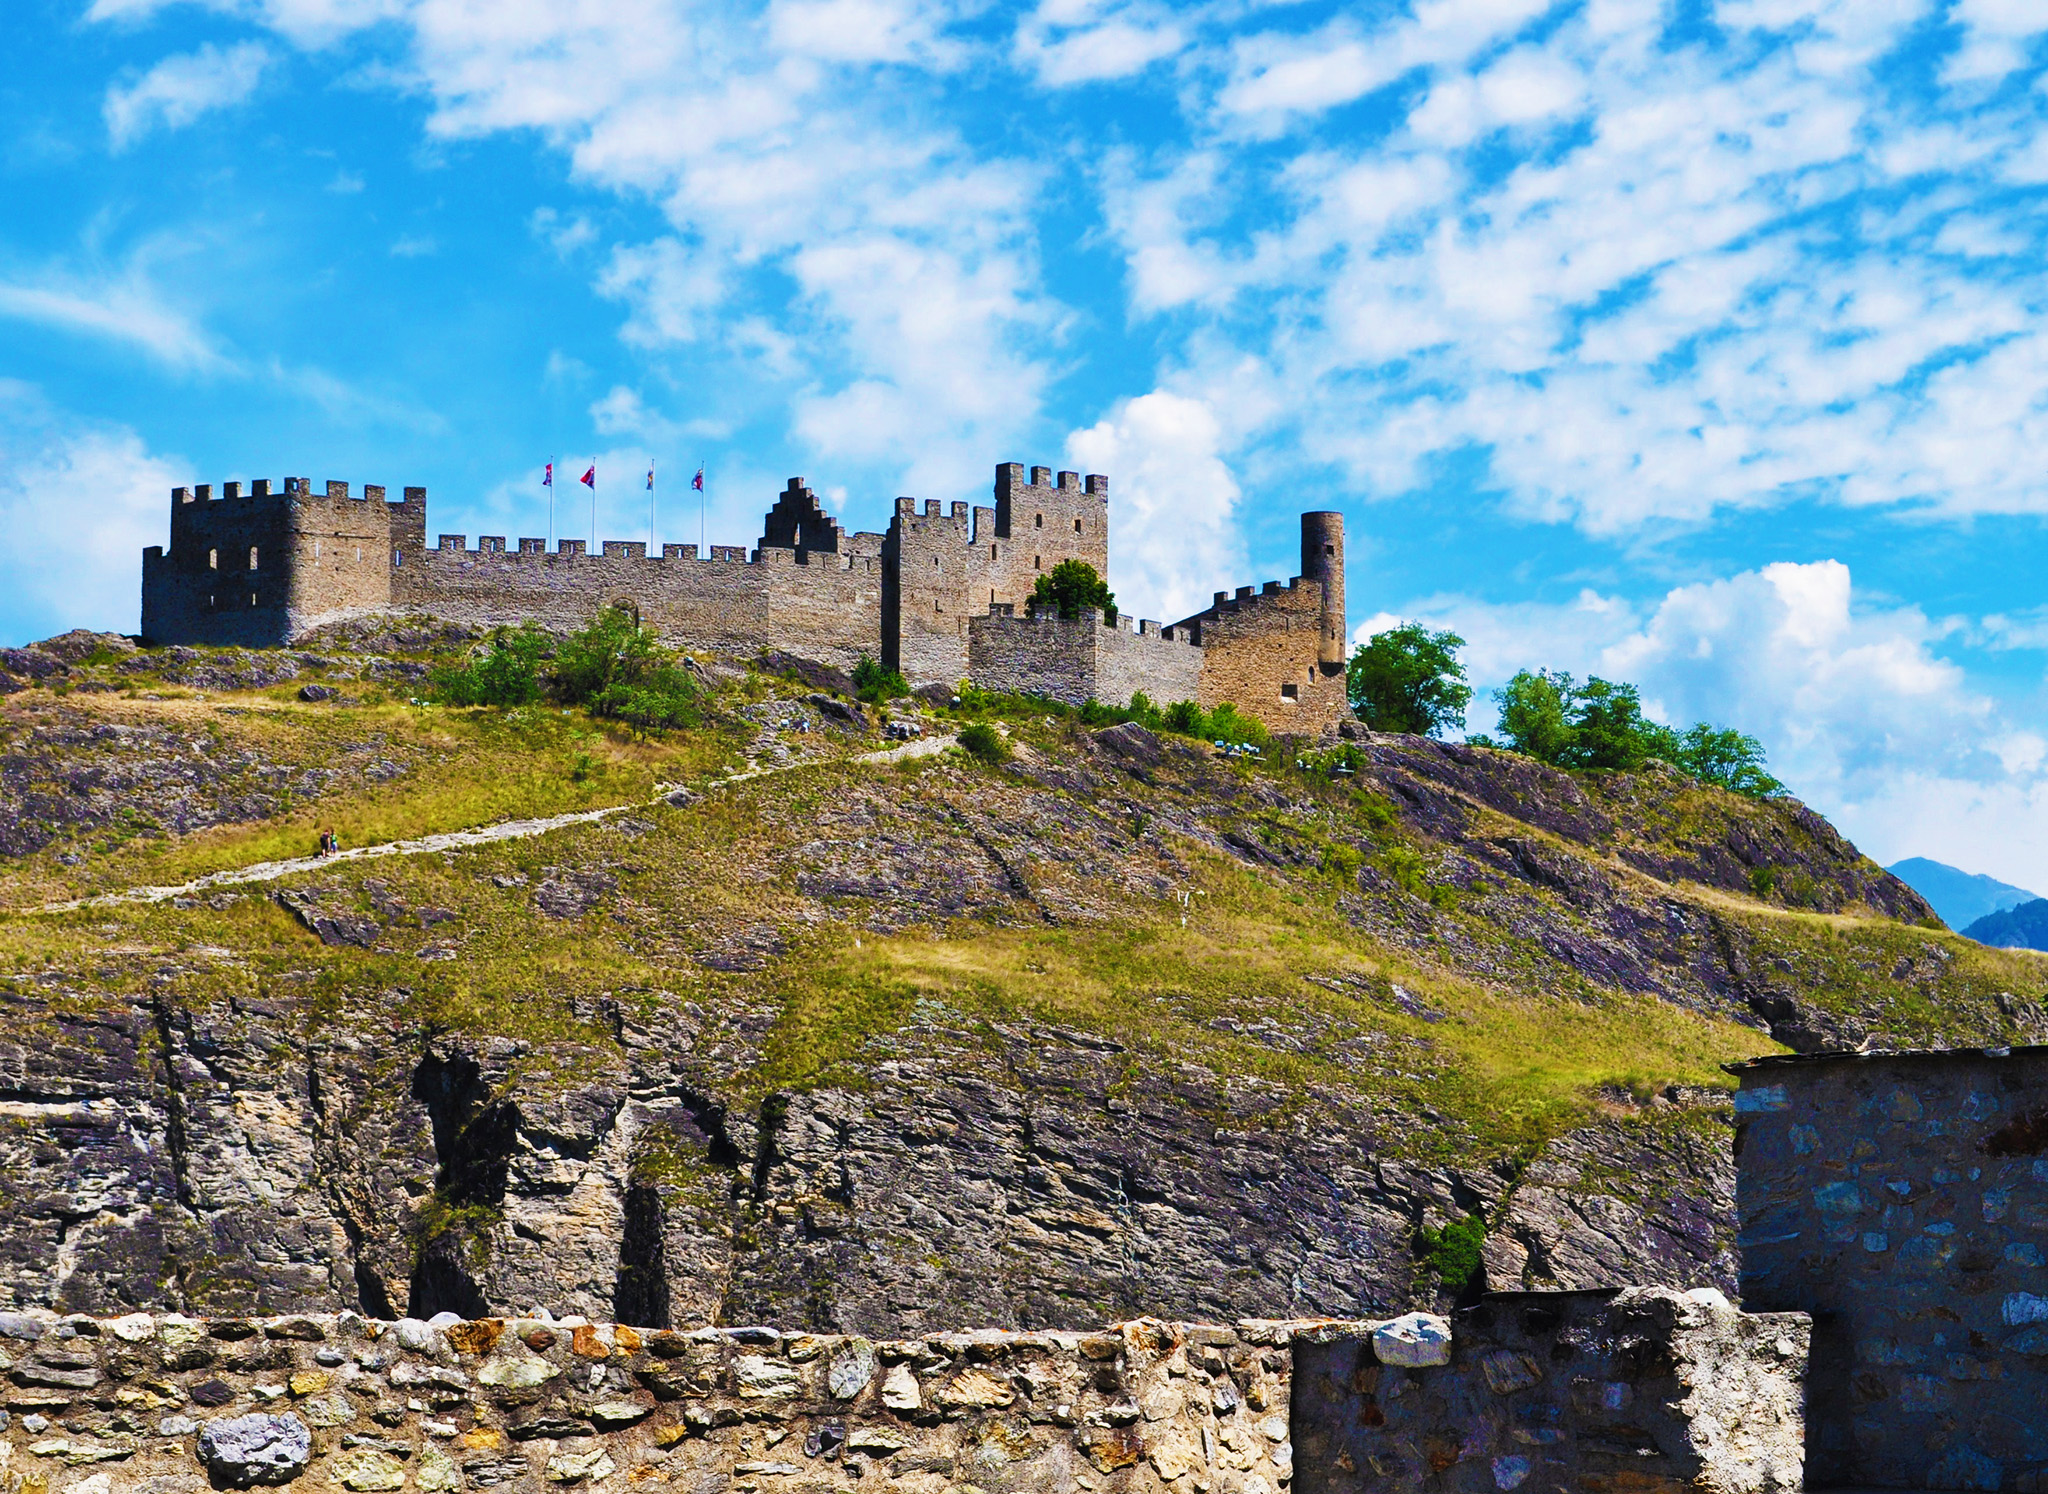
[
  {"x": 1453, "y": 1252},
  {"x": 984, "y": 743},
  {"x": 878, "y": 685},
  {"x": 506, "y": 673}
]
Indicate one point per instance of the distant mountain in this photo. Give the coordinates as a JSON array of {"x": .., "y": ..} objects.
[
  {"x": 2023, "y": 927},
  {"x": 1960, "y": 897}
]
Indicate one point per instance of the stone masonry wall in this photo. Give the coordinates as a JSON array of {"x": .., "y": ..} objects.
[
  {"x": 949, "y": 567},
  {"x": 1080, "y": 659},
  {"x": 1902, "y": 1200},
  {"x": 1261, "y": 652},
  {"x": 171, "y": 1405},
  {"x": 1641, "y": 1390},
  {"x": 826, "y": 606},
  {"x": 1644, "y": 1391}
]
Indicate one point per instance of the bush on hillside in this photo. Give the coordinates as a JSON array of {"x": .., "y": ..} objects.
[
  {"x": 507, "y": 672},
  {"x": 618, "y": 669},
  {"x": 1453, "y": 1252},
  {"x": 984, "y": 743},
  {"x": 876, "y": 684}
]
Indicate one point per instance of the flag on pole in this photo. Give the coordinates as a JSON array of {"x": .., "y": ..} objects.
[
  {"x": 549, "y": 480},
  {"x": 650, "y": 477},
  {"x": 589, "y": 479},
  {"x": 697, "y": 482}
]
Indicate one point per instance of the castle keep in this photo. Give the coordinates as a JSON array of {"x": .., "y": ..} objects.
[{"x": 943, "y": 595}]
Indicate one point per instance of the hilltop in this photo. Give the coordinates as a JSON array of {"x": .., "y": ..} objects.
[{"x": 803, "y": 1036}]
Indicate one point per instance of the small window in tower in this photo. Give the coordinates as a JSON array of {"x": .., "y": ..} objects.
[
  {"x": 1077, "y": 526},
  {"x": 935, "y": 563},
  {"x": 1038, "y": 562},
  {"x": 316, "y": 549},
  {"x": 991, "y": 552},
  {"x": 252, "y": 599},
  {"x": 252, "y": 557},
  {"x": 1290, "y": 692},
  {"x": 1039, "y": 523},
  {"x": 359, "y": 552},
  {"x": 397, "y": 559},
  {"x": 213, "y": 560},
  {"x": 1329, "y": 549}
]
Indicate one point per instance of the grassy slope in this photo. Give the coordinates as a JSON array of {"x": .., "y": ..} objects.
[{"x": 821, "y": 909}]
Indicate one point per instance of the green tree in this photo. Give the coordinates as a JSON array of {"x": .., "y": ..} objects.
[
  {"x": 1600, "y": 724},
  {"x": 1725, "y": 757},
  {"x": 1535, "y": 715},
  {"x": 1611, "y": 730},
  {"x": 1409, "y": 679},
  {"x": 1073, "y": 587}
]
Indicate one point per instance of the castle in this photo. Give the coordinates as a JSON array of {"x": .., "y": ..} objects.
[{"x": 943, "y": 595}]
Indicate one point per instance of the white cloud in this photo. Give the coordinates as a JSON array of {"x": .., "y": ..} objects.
[
  {"x": 565, "y": 233},
  {"x": 123, "y": 306},
  {"x": 1088, "y": 41},
  {"x": 860, "y": 30},
  {"x": 1276, "y": 74},
  {"x": 1173, "y": 502},
  {"x": 178, "y": 90},
  {"x": 89, "y": 492},
  {"x": 414, "y": 246},
  {"x": 1996, "y": 34}
]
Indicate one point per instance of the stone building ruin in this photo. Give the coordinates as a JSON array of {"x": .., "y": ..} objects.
[{"x": 942, "y": 595}]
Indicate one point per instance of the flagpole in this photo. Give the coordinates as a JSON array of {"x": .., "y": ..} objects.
[
  {"x": 650, "y": 508},
  {"x": 593, "y": 508},
  {"x": 551, "y": 501}
]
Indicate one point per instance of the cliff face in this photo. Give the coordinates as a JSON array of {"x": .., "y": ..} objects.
[{"x": 1117, "y": 1028}]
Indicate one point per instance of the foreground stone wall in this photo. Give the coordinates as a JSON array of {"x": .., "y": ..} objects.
[
  {"x": 1641, "y": 1390},
  {"x": 170, "y": 1404},
  {"x": 1902, "y": 1199}
]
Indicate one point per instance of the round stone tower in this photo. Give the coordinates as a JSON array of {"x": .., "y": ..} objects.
[{"x": 1322, "y": 559}]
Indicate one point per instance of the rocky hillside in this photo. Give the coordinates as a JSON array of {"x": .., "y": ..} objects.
[{"x": 805, "y": 1036}]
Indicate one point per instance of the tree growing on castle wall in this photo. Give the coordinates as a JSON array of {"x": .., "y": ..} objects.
[
  {"x": 1073, "y": 586},
  {"x": 1409, "y": 679}
]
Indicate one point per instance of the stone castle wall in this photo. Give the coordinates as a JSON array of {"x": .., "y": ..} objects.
[
  {"x": 831, "y": 603},
  {"x": 1262, "y": 652},
  {"x": 1081, "y": 659},
  {"x": 949, "y": 567},
  {"x": 1902, "y": 1200},
  {"x": 264, "y": 568},
  {"x": 259, "y": 568}
]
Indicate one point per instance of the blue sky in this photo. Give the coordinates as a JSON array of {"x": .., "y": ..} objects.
[{"x": 1698, "y": 343}]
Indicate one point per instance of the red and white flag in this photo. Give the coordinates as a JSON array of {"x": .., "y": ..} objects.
[
  {"x": 589, "y": 479},
  {"x": 697, "y": 482},
  {"x": 549, "y": 480}
]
